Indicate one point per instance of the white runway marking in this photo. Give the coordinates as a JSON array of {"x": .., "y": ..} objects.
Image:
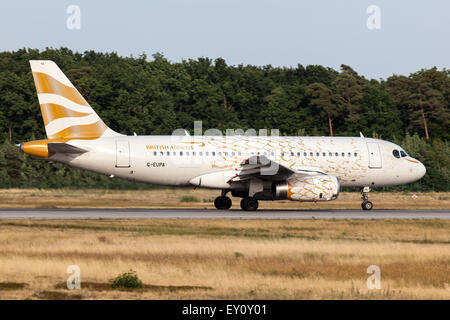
[{"x": 218, "y": 214}]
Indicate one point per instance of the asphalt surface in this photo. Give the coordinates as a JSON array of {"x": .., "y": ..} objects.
[{"x": 51, "y": 213}]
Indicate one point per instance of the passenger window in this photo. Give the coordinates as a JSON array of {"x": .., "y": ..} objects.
[
  {"x": 317, "y": 154},
  {"x": 298, "y": 154},
  {"x": 239, "y": 154},
  {"x": 336, "y": 154},
  {"x": 168, "y": 153},
  {"x": 282, "y": 154},
  {"x": 181, "y": 153},
  {"x": 213, "y": 153},
  {"x": 155, "y": 153},
  {"x": 233, "y": 154},
  {"x": 304, "y": 153},
  {"x": 349, "y": 154},
  {"x": 200, "y": 153},
  {"x": 324, "y": 154},
  {"x": 311, "y": 154},
  {"x": 161, "y": 153},
  {"x": 226, "y": 154},
  {"x": 330, "y": 154},
  {"x": 187, "y": 153},
  {"x": 292, "y": 154},
  {"x": 174, "y": 153},
  {"x": 343, "y": 154},
  {"x": 356, "y": 154}
]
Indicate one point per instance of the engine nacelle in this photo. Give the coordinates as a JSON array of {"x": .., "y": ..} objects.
[{"x": 308, "y": 188}]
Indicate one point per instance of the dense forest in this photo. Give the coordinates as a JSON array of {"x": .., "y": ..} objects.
[{"x": 155, "y": 96}]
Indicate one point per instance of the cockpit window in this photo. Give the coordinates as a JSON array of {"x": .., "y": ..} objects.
[
  {"x": 403, "y": 153},
  {"x": 396, "y": 153}
]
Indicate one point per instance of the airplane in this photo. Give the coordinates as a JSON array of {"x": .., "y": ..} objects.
[{"x": 254, "y": 168}]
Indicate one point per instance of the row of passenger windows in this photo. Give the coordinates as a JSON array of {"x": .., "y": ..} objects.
[{"x": 292, "y": 154}]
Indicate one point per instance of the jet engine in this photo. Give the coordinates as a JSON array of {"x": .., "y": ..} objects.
[{"x": 307, "y": 188}]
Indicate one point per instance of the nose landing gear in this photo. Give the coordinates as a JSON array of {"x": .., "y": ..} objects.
[{"x": 366, "y": 204}]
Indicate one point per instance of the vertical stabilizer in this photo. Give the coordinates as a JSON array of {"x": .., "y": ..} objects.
[{"x": 65, "y": 112}]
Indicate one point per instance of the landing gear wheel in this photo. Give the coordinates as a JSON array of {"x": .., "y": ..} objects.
[
  {"x": 222, "y": 203},
  {"x": 367, "y": 205},
  {"x": 249, "y": 204}
]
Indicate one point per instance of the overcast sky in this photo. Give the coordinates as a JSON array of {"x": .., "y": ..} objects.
[{"x": 413, "y": 34}]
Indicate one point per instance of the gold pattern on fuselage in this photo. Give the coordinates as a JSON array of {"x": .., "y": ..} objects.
[{"x": 231, "y": 151}]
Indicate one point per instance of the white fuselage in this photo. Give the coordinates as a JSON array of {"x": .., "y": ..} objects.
[{"x": 177, "y": 160}]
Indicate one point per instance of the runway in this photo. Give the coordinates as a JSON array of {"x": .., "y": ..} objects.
[{"x": 51, "y": 213}]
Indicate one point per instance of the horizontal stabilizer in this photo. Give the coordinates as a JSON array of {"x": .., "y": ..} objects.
[{"x": 60, "y": 147}]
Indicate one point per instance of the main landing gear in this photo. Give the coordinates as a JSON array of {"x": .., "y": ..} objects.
[
  {"x": 249, "y": 204},
  {"x": 366, "y": 204},
  {"x": 222, "y": 202}
]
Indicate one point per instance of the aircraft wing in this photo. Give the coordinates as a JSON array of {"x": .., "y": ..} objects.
[{"x": 261, "y": 167}]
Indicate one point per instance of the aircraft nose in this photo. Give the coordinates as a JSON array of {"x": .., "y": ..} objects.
[{"x": 422, "y": 170}]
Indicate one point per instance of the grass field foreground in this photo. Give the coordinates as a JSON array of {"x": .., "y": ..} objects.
[{"x": 226, "y": 259}]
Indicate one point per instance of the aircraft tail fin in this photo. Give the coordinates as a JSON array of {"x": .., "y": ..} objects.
[{"x": 65, "y": 112}]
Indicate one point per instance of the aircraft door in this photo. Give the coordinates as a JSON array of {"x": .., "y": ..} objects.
[
  {"x": 122, "y": 154},
  {"x": 374, "y": 155}
]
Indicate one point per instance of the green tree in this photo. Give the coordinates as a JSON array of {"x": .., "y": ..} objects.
[
  {"x": 427, "y": 103},
  {"x": 322, "y": 98},
  {"x": 349, "y": 92}
]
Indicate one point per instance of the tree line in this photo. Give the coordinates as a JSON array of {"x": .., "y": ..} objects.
[{"x": 152, "y": 95}]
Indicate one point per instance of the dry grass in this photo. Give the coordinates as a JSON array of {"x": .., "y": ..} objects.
[
  {"x": 201, "y": 198},
  {"x": 223, "y": 259}
]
